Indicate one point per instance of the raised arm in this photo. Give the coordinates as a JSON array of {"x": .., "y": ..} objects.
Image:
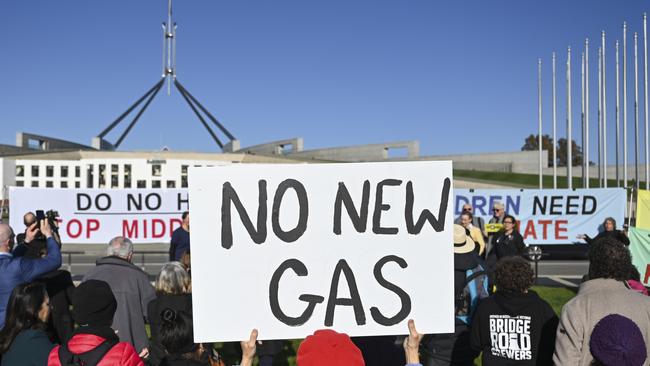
[{"x": 33, "y": 268}]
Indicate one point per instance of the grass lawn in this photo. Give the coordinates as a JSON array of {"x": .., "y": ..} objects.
[{"x": 555, "y": 296}]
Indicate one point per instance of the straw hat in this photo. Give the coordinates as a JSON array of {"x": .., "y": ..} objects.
[{"x": 462, "y": 243}]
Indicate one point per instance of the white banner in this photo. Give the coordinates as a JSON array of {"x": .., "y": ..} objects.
[
  {"x": 97, "y": 215},
  {"x": 549, "y": 216},
  {"x": 289, "y": 249}
]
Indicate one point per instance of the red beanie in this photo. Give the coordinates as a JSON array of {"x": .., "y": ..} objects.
[{"x": 327, "y": 347}]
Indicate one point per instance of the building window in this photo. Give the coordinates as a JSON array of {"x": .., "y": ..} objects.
[
  {"x": 77, "y": 172},
  {"x": 102, "y": 178},
  {"x": 64, "y": 171},
  {"x": 141, "y": 183},
  {"x": 20, "y": 170},
  {"x": 64, "y": 184},
  {"x": 114, "y": 180},
  {"x": 184, "y": 169},
  {"x": 156, "y": 170},
  {"x": 49, "y": 184},
  {"x": 127, "y": 175},
  {"x": 89, "y": 176},
  {"x": 34, "y": 171},
  {"x": 34, "y": 183},
  {"x": 20, "y": 183},
  {"x": 77, "y": 184},
  {"x": 155, "y": 184},
  {"x": 49, "y": 171},
  {"x": 184, "y": 181},
  {"x": 171, "y": 184}
]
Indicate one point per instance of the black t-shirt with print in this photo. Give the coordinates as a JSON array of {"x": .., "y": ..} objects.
[{"x": 514, "y": 329}]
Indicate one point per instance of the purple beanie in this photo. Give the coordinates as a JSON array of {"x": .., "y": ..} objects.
[{"x": 616, "y": 340}]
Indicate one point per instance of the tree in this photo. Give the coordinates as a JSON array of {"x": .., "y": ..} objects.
[
  {"x": 576, "y": 153},
  {"x": 531, "y": 143}
]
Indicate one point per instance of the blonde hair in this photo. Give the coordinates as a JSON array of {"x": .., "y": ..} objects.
[{"x": 173, "y": 279}]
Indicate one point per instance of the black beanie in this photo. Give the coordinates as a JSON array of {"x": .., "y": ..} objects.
[{"x": 94, "y": 304}]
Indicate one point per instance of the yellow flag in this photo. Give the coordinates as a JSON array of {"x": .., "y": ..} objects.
[{"x": 643, "y": 210}]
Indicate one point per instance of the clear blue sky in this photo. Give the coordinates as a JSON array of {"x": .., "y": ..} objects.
[{"x": 459, "y": 76}]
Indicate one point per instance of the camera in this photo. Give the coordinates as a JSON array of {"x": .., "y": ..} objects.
[{"x": 50, "y": 216}]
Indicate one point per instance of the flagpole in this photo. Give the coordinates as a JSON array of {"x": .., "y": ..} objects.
[
  {"x": 636, "y": 112},
  {"x": 539, "y": 116},
  {"x": 604, "y": 101},
  {"x": 600, "y": 118},
  {"x": 625, "y": 153},
  {"x": 645, "y": 97},
  {"x": 582, "y": 113},
  {"x": 586, "y": 152},
  {"x": 618, "y": 119},
  {"x": 554, "y": 130},
  {"x": 569, "y": 139}
]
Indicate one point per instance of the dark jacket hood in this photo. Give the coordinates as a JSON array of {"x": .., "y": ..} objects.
[
  {"x": 514, "y": 304},
  {"x": 463, "y": 262}
]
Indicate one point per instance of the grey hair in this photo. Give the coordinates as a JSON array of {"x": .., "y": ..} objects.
[
  {"x": 120, "y": 246},
  {"x": 173, "y": 279},
  {"x": 5, "y": 232}
]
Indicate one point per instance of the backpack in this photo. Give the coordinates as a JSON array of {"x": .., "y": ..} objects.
[
  {"x": 474, "y": 289},
  {"x": 89, "y": 358}
]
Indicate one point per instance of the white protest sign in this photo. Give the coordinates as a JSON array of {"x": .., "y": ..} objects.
[
  {"x": 289, "y": 249},
  {"x": 98, "y": 215}
]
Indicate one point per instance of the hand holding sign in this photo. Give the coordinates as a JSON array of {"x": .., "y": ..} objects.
[
  {"x": 248, "y": 349},
  {"x": 412, "y": 344}
]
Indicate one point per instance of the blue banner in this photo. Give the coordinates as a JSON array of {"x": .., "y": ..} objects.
[{"x": 549, "y": 216}]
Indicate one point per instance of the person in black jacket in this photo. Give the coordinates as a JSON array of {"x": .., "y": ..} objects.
[
  {"x": 508, "y": 243},
  {"x": 173, "y": 291},
  {"x": 453, "y": 349},
  {"x": 514, "y": 326},
  {"x": 23, "y": 339},
  {"x": 609, "y": 226}
]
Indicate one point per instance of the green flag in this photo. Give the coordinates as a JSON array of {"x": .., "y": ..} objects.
[{"x": 640, "y": 249}]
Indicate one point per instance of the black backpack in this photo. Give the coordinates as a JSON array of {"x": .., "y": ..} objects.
[{"x": 89, "y": 358}]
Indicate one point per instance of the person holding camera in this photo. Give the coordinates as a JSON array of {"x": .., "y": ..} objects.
[{"x": 16, "y": 268}]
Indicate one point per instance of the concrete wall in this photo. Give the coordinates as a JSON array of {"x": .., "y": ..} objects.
[
  {"x": 370, "y": 152},
  {"x": 46, "y": 143},
  {"x": 281, "y": 147},
  {"x": 7, "y": 172},
  {"x": 516, "y": 161}
]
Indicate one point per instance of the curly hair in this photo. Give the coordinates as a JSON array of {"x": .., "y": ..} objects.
[
  {"x": 513, "y": 274},
  {"x": 608, "y": 258}
]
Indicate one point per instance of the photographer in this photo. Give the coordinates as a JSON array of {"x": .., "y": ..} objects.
[
  {"x": 18, "y": 269},
  {"x": 58, "y": 283},
  {"x": 37, "y": 246}
]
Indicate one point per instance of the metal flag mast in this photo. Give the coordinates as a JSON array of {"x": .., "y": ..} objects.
[
  {"x": 539, "y": 119},
  {"x": 169, "y": 75},
  {"x": 604, "y": 111},
  {"x": 569, "y": 122},
  {"x": 554, "y": 130},
  {"x": 586, "y": 151}
]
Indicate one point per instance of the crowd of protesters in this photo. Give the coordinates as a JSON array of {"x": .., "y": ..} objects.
[{"x": 46, "y": 320}]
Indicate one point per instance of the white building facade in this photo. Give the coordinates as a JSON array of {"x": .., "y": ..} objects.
[{"x": 116, "y": 170}]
